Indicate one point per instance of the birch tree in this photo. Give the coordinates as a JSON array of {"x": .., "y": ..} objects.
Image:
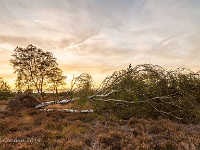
[
  {"x": 150, "y": 91},
  {"x": 34, "y": 68}
]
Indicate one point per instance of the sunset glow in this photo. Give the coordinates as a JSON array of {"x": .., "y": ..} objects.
[{"x": 100, "y": 36}]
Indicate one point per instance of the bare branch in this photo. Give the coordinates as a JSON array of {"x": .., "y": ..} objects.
[{"x": 168, "y": 113}]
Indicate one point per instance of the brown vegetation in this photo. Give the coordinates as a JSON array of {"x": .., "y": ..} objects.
[
  {"x": 60, "y": 106},
  {"x": 58, "y": 130},
  {"x": 138, "y": 108},
  {"x": 3, "y": 102},
  {"x": 22, "y": 101}
]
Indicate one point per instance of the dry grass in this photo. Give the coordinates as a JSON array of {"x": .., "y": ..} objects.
[
  {"x": 60, "y": 106},
  {"x": 3, "y": 102},
  {"x": 52, "y": 97},
  {"x": 58, "y": 130},
  {"x": 72, "y": 105},
  {"x": 3, "y": 107}
]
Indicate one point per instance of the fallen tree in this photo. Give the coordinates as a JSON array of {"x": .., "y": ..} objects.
[
  {"x": 41, "y": 105},
  {"x": 149, "y": 91},
  {"x": 69, "y": 110},
  {"x": 145, "y": 91}
]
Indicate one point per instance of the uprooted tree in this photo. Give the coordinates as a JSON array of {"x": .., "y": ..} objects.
[
  {"x": 145, "y": 91},
  {"x": 36, "y": 69},
  {"x": 149, "y": 91}
]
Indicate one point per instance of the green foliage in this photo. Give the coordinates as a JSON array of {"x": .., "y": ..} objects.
[
  {"x": 82, "y": 87},
  {"x": 150, "y": 91}
]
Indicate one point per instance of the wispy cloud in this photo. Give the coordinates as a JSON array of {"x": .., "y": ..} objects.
[{"x": 100, "y": 36}]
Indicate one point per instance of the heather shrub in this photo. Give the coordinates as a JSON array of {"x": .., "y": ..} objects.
[
  {"x": 111, "y": 140},
  {"x": 73, "y": 145},
  {"x": 22, "y": 101},
  {"x": 55, "y": 131},
  {"x": 9, "y": 125},
  {"x": 76, "y": 128}
]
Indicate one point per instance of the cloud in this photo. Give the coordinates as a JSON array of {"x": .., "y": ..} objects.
[
  {"x": 15, "y": 41},
  {"x": 101, "y": 36}
]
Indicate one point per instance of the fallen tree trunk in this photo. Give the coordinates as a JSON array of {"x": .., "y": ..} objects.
[
  {"x": 40, "y": 107},
  {"x": 53, "y": 102},
  {"x": 69, "y": 110}
]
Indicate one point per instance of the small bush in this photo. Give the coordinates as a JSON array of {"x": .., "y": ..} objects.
[
  {"x": 22, "y": 101},
  {"x": 110, "y": 140},
  {"x": 73, "y": 145}
]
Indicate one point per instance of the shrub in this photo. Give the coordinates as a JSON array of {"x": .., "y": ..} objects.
[
  {"x": 22, "y": 101},
  {"x": 74, "y": 145},
  {"x": 111, "y": 140}
]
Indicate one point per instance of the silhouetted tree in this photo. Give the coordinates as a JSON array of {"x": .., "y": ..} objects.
[
  {"x": 4, "y": 87},
  {"x": 4, "y": 90},
  {"x": 56, "y": 80},
  {"x": 34, "y": 68}
]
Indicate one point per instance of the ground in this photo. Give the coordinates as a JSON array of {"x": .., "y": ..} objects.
[{"x": 35, "y": 129}]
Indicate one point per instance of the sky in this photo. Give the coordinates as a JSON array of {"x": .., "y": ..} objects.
[{"x": 101, "y": 36}]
